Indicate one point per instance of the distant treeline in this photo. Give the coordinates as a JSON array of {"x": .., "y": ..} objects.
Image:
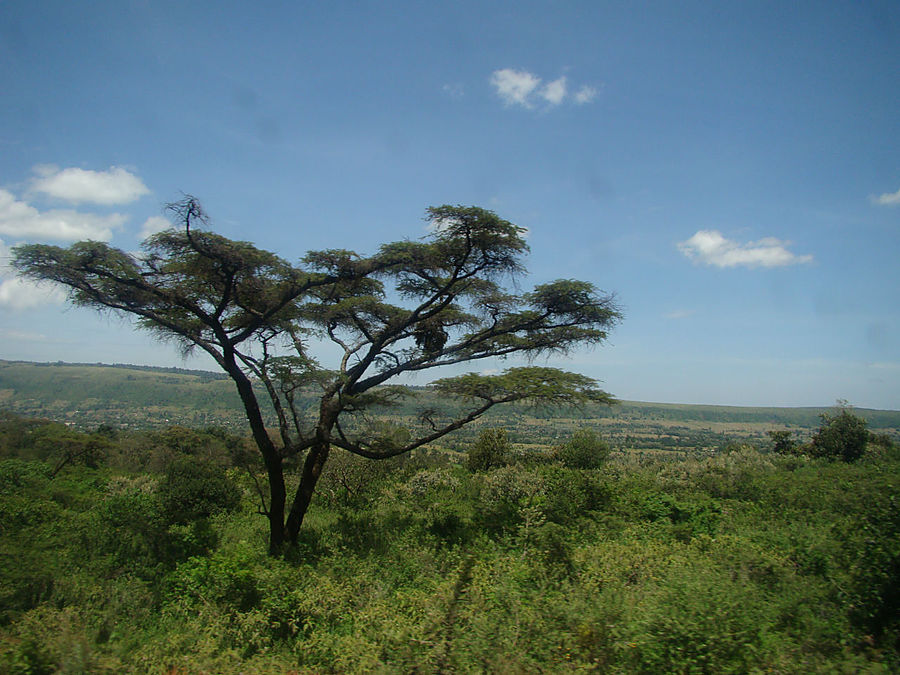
[{"x": 202, "y": 374}]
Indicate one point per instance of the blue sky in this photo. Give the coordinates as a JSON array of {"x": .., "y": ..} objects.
[{"x": 731, "y": 170}]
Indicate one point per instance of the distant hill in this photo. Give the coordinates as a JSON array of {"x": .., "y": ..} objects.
[
  {"x": 88, "y": 395},
  {"x": 127, "y": 396}
]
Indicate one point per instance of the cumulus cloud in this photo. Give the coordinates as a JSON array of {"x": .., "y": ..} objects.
[
  {"x": 153, "y": 225},
  {"x": 585, "y": 95},
  {"x": 888, "y": 199},
  {"x": 515, "y": 86},
  {"x": 709, "y": 247},
  {"x": 17, "y": 293},
  {"x": 555, "y": 91},
  {"x": 20, "y": 220},
  {"x": 114, "y": 186}
]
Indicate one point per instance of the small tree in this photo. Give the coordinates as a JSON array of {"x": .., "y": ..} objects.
[
  {"x": 842, "y": 435},
  {"x": 783, "y": 442},
  {"x": 492, "y": 449},
  {"x": 413, "y": 306},
  {"x": 585, "y": 450}
]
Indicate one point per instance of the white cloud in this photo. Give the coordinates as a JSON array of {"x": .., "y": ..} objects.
[
  {"x": 515, "y": 86},
  {"x": 114, "y": 186},
  {"x": 888, "y": 199},
  {"x": 711, "y": 248},
  {"x": 153, "y": 225},
  {"x": 519, "y": 87},
  {"x": 554, "y": 92},
  {"x": 18, "y": 293},
  {"x": 21, "y": 220},
  {"x": 585, "y": 95}
]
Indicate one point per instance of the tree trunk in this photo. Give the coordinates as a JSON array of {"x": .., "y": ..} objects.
[
  {"x": 312, "y": 469},
  {"x": 271, "y": 456},
  {"x": 277, "y": 499}
]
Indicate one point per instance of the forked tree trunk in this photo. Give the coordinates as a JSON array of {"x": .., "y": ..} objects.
[
  {"x": 312, "y": 469},
  {"x": 270, "y": 454}
]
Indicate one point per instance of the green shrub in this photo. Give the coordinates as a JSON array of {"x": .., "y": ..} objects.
[
  {"x": 585, "y": 450},
  {"x": 570, "y": 494},
  {"x": 689, "y": 517},
  {"x": 227, "y": 579},
  {"x": 783, "y": 442},
  {"x": 491, "y": 450},
  {"x": 191, "y": 490},
  {"x": 874, "y": 593},
  {"x": 842, "y": 436}
]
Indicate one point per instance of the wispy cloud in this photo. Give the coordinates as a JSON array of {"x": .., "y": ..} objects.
[
  {"x": 20, "y": 220},
  {"x": 23, "y": 336},
  {"x": 454, "y": 90},
  {"x": 113, "y": 186},
  {"x": 679, "y": 314},
  {"x": 522, "y": 88},
  {"x": 888, "y": 199},
  {"x": 709, "y": 247},
  {"x": 585, "y": 95}
]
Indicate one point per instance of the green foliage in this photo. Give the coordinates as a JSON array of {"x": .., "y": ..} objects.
[
  {"x": 783, "y": 442},
  {"x": 688, "y": 517},
  {"x": 190, "y": 491},
  {"x": 235, "y": 302},
  {"x": 745, "y": 561},
  {"x": 874, "y": 591},
  {"x": 842, "y": 436},
  {"x": 584, "y": 450},
  {"x": 491, "y": 450},
  {"x": 220, "y": 578}
]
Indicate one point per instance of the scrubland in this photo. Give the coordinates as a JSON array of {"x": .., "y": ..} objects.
[{"x": 144, "y": 552}]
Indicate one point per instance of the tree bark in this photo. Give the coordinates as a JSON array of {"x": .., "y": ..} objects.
[
  {"x": 312, "y": 469},
  {"x": 271, "y": 457}
]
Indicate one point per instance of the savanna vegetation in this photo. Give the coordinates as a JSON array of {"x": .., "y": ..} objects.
[
  {"x": 565, "y": 539},
  {"x": 147, "y": 554},
  {"x": 449, "y": 298}
]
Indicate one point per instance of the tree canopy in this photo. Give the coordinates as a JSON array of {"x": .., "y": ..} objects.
[{"x": 414, "y": 305}]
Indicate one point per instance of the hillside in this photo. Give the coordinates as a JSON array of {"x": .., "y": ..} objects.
[{"x": 87, "y": 395}]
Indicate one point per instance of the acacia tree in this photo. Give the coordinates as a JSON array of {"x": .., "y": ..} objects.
[{"x": 412, "y": 306}]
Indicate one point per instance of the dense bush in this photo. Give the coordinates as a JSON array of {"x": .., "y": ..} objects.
[
  {"x": 491, "y": 450},
  {"x": 585, "y": 450},
  {"x": 191, "y": 490},
  {"x": 783, "y": 442},
  {"x": 842, "y": 436},
  {"x": 874, "y": 591},
  {"x": 744, "y": 561}
]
